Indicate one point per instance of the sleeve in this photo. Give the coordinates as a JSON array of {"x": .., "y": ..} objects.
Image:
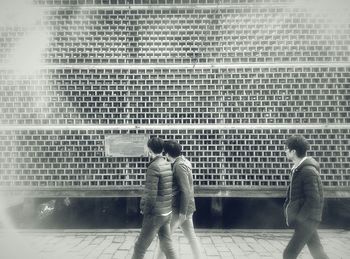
[
  {"x": 149, "y": 198},
  {"x": 184, "y": 187},
  {"x": 287, "y": 197},
  {"x": 312, "y": 195},
  {"x": 142, "y": 203}
]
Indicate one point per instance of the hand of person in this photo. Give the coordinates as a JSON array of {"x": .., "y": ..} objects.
[{"x": 141, "y": 211}]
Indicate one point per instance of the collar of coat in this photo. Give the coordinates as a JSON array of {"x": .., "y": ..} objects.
[
  {"x": 297, "y": 165},
  {"x": 154, "y": 159}
]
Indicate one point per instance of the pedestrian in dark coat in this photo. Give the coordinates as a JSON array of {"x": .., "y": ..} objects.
[{"x": 304, "y": 203}]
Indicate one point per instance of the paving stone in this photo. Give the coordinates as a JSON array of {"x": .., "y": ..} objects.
[
  {"x": 236, "y": 250},
  {"x": 121, "y": 254},
  {"x": 119, "y": 239},
  {"x": 216, "y": 239},
  {"x": 205, "y": 240},
  {"x": 226, "y": 255},
  {"x": 227, "y": 239},
  {"x": 112, "y": 248},
  {"x": 128, "y": 243},
  {"x": 222, "y": 248},
  {"x": 211, "y": 250}
]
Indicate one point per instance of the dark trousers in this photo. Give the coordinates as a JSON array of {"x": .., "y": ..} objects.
[
  {"x": 305, "y": 233},
  {"x": 151, "y": 226}
]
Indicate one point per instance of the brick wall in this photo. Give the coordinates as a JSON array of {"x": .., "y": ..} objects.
[{"x": 230, "y": 80}]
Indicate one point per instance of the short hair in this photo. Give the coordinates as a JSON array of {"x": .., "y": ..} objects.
[
  {"x": 172, "y": 148},
  {"x": 299, "y": 144},
  {"x": 155, "y": 144}
]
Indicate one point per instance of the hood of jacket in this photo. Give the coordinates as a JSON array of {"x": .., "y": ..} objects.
[{"x": 309, "y": 161}]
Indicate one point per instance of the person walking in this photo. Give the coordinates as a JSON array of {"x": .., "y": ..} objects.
[
  {"x": 156, "y": 203},
  {"x": 183, "y": 196},
  {"x": 304, "y": 203}
]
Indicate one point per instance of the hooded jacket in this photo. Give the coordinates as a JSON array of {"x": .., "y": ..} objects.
[
  {"x": 157, "y": 197},
  {"x": 183, "y": 191},
  {"x": 305, "y": 194}
]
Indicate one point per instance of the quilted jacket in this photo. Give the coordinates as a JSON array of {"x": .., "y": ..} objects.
[
  {"x": 157, "y": 196},
  {"x": 305, "y": 194}
]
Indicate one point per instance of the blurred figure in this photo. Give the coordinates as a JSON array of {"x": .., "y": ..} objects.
[
  {"x": 156, "y": 203},
  {"x": 183, "y": 196},
  {"x": 304, "y": 203}
]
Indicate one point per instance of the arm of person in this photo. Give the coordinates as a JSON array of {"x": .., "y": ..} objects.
[
  {"x": 184, "y": 189},
  {"x": 149, "y": 198},
  {"x": 286, "y": 201},
  {"x": 142, "y": 204},
  {"x": 312, "y": 195}
]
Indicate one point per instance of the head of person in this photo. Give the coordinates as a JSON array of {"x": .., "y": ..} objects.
[
  {"x": 172, "y": 150},
  {"x": 296, "y": 147},
  {"x": 155, "y": 146}
]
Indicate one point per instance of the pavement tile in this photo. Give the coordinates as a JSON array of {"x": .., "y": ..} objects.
[
  {"x": 205, "y": 240},
  {"x": 121, "y": 254},
  {"x": 97, "y": 240},
  {"x": 222, "y": 248},
  {"x": 119, "y": 239},
  {"x": 236, "y": 250},
  {"x": 245, "y": 247},
  {"x": 226, "y": 255},
  {"x": 211, "y": 250},
  {"x": 128, "y": 243},
  {"x": 249, "y": 240},
  {"x": 111, "y": 249},
  {"x": 216, "y": 239},
  {"x": 227, "y": 239}
]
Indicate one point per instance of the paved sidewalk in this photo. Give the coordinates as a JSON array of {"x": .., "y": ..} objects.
[{"x": 107, "y": 244}]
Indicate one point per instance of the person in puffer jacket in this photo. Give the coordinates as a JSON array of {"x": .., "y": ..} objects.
[
  {"x": 156, "y": 203},
  {"x": 183, "y": 197},
  {"x": 304, "y": 203}
]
